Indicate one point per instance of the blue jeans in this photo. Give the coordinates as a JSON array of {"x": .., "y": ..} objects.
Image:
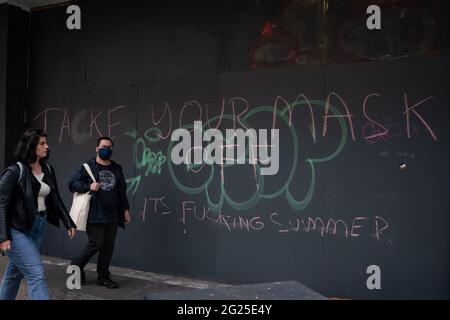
[{"x": 24, "y": 260}]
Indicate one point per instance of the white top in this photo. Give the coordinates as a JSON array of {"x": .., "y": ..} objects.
[{"x": 43, "y": 192}]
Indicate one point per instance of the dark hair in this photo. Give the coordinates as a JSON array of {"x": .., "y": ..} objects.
[
  {"x": 104, "y": 138},
  {"x": 26, "y": 148}
]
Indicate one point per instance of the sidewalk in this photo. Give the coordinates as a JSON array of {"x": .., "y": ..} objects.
[{"x": 134, "y": 284}]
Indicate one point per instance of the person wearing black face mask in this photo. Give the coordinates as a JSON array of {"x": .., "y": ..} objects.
[{"x": 108, "y": 210}]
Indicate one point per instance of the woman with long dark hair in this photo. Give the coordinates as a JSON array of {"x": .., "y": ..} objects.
[{"x": 29, "y": 197}]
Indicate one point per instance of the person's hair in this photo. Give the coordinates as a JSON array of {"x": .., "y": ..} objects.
[
  {"x": 104, "y": 138},
  {"x": 26, "y": 147}
]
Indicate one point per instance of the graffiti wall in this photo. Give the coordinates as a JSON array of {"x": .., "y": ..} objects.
[
  {"x": 363, "y": 160},
  {"x": 362, "y": 173}
]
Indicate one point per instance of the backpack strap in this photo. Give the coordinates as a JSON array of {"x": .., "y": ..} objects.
[{"x": 21, "y": 171}]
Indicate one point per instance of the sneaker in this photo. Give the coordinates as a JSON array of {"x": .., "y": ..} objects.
[{"x": 108, "y": 283}]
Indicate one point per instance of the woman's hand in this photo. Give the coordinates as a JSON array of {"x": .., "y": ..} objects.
[
  {"x": 127, "y": 217},
  {"x": 71, "y": 232},
  {"x": 5, "y": 245}
]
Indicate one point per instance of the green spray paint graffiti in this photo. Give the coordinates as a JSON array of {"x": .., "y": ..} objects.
[
  {"x": 259, "y": 193},
  {"x": 151, "y": 161},
  {"x": 144, "y": 158}
]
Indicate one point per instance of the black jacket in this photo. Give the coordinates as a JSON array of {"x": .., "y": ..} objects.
[
  {"x": 18, "y": 200},
  {"x": 81, "y": 181}
]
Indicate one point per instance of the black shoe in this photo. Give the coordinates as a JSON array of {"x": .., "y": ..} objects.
[{"x": 108, "y": 283}]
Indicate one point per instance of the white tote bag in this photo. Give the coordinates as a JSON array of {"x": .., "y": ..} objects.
[{"x": 80, "y": 205}]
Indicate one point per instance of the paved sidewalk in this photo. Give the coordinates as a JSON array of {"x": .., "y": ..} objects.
[{"x": 134, "y": 284}]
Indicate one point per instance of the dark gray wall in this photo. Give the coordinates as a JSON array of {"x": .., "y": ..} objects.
[
  {"x": 17, "y": 77},
  {"x": 13, "y": 77},
  {"x": 142, "y": 69},
  {"x": 3, "y": 68}
]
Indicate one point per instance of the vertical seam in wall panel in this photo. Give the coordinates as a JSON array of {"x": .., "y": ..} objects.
[{"x": 5, "y": 85}]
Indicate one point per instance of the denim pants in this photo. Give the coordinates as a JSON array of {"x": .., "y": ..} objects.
[{"x": 25, "y": 261}]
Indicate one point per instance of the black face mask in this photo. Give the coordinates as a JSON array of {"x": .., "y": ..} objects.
[{"x": 105, "y": 153}]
